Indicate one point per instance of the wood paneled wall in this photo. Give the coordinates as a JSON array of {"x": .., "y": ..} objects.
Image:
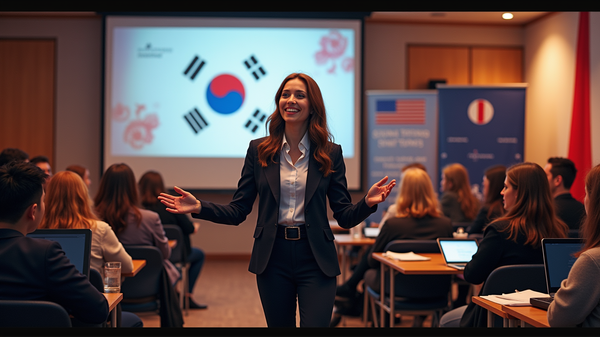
[
  {"x": 463, "y": 65},
  {"x": 27, "y": 95}
]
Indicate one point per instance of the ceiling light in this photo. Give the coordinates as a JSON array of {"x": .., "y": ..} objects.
[{"x": 507, "y": 16}]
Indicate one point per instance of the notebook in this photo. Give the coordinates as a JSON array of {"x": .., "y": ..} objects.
[
  {"x": 558, "y": 260},
  {"x": 77, "y": 244},
  {"x": 457, "y": 252}
]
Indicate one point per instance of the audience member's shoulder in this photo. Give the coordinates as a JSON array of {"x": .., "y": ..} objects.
[
  {"x": 498, "y": 225},
  {"x": 148, "y": 214}
]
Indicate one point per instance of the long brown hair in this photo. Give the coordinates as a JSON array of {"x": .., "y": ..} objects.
[
  {"x": 117, "y": 196},
  {"x": 151, "y": 185},
  {"x": 416, "y": 198},
  {"x": 590, "y": 229},
  {"x": 68, "y": 204},
  {"x": 318, "y": 131},
  {"x": 458, "y": 177},
  {"x": 533, "y": 213},
  {"x": 493, "y": 200}
]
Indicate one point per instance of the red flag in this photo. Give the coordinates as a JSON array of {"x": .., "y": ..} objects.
[{"x": 580, "y": 148}]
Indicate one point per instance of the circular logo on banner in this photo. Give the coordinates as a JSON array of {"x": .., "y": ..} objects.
[
  {"x": 225, "y": 94},
  {"x": 481, "y": 111}
]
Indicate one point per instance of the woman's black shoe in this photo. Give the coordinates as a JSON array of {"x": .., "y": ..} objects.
[{"x": 194, "y": 305}]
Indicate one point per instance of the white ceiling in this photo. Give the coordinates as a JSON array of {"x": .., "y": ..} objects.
[{"x": 520, "y": 18}]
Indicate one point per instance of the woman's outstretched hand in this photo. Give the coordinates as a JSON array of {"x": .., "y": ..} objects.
[
  {"x": 186, "y": 203},
  {"x": 379, "y": 192}
]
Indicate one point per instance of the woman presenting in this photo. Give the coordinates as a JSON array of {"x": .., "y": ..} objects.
[{"x": 294, "y": 171}]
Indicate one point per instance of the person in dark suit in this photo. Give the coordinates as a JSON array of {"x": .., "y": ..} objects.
[
  {"x": 561, "y": 173},
  {"x": 37, "y": 269},
  {"x": 294, "y": 171}
]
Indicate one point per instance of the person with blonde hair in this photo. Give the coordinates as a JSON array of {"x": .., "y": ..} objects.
[
  {"x": 577, "y": 302},
  {"x": 417, "y": 217},
  {"x": 68, "y": 207},
  {"x": 457, "y": 201},
  {"x": 514, "y": 238}
]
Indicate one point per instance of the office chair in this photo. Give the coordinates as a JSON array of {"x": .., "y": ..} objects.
[
  {"x": 33, "y": 314},
  {"x": 414, "y": 295},
  {"x": 178, "y": 257},
  {"x": 507, "y": 279},
  {"x": 141, "y": 292}
]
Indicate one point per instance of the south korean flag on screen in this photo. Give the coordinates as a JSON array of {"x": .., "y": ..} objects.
[{"x": 207, "y": 92}]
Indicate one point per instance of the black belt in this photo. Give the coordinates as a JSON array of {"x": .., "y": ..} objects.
[{"x": 291, "y": 232}]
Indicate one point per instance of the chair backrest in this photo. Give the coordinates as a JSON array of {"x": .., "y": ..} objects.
[
  {"x": 35, "y": 314},
  {"x": 419, "y": 286},
  {"x": 178, "y": 253},
  {"x": 147, "y": 282},
  {"x": 507, "y": 279}
]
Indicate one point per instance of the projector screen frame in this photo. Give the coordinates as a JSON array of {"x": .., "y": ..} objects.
[{"x": 359, "y": 16}]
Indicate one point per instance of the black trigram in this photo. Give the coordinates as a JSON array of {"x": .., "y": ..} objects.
[
  {"x": 194, "y": 68},
  {"x": 252, "y": 123},
  {"x": 254, "y": 68},
  {"x": 195, "y": 120}
]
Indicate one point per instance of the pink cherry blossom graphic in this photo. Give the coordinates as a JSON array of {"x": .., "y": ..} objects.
[
  {"x": 139, "y": 131},
  {"x": 348, "y": 64},
  {"x": 333, "y": 46}
]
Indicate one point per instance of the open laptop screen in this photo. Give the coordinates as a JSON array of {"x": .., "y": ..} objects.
[
  {"x": 76, "y": 243},
  {"x": 558, "y": 260},
  {"x": 457, "y": 250}
]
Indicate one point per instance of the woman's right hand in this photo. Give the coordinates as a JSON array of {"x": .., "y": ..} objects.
[{"x": 186, "y": 203}]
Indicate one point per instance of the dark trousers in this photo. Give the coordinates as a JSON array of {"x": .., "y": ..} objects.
[{"x": 293, "y": 273}]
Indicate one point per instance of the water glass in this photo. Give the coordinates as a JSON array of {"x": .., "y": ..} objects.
[{"x": 112, "y": 277}]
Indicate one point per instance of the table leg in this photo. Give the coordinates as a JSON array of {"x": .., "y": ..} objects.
[{"x": 113, "y": 320}]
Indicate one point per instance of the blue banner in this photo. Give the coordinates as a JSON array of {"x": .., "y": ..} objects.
[
  {"x": 402, "y": 129},
  {"x": 481, "y": 126}
]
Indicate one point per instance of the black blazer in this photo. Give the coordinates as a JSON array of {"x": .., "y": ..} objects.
[
  {"x": 38, "y": 270},
  {"x": 264, "y": 181}
]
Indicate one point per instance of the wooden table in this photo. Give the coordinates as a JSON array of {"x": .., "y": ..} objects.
[
  {"x": 344, "y": 243},
  {"x": 529, "y": 315},
  {"x": 137, "y": 266},
  {"x": 113, "y": 300},
  {"x": 436, "y": 265},
  {"x": 494, "y": 308}
]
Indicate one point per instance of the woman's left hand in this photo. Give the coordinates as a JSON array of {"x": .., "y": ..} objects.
[{"x": 379, "y": 192}]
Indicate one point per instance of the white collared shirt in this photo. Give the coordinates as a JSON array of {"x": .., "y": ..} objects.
[{"x": 292, "y": 182}]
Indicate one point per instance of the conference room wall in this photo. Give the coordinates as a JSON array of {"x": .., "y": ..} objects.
[{"x": 79, "y": 77}]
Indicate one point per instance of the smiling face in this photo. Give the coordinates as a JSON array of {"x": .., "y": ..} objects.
[
  {"x": 294, "y": 105},
  {"x": 509, "y": 195}
]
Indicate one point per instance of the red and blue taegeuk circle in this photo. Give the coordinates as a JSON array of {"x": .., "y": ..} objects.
[{"x": 225, "y": 94}]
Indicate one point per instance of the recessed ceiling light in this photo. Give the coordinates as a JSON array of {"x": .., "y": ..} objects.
[{"x": 507, "y": 16}]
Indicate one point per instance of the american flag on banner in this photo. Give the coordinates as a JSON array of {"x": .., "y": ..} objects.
[{"x": 401, "y": 111}]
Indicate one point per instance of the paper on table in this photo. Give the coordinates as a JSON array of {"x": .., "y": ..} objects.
[
  {"x": 410, "y": 256},
  {"x": 516, "y": 299}
]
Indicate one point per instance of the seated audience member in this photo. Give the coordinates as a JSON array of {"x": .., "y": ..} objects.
[
  {"x": 151, "y": 185},
  {"x": 68, "y": 207},
  {"x": 116, "y": 203},
  {"x": 44, "y": 163},
  {"x": 391, "y": 211},
  {"x": 577, "y": 302},
  {"x": 514, "y": 238},
  {"x": 11, "y": 154},
  {"x": 36, "y": 269},
  {"x": 493, "y": 183},
  {"x": 561, "y": 173},
  {"x": 457, "y": 201},
  {"x": 82, "y": 172}
]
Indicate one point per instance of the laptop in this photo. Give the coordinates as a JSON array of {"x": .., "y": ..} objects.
[
  {"x": 372, "y": 232},
  {"x": 77, "y": 244},
  {"x": 457, "y": 252},
  {"x": 558, "y": 260}
]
